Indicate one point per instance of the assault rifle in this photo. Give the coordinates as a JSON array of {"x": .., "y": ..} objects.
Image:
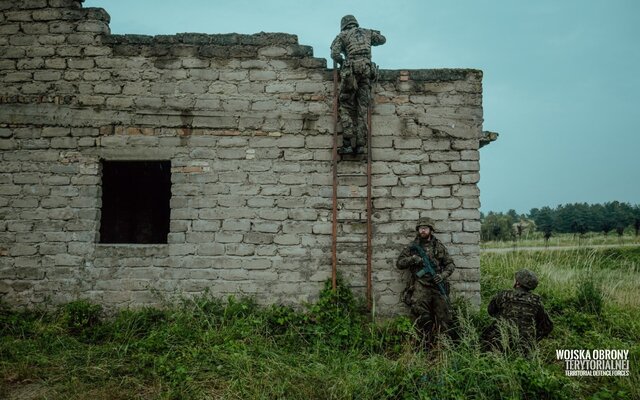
[{"x": 427, "y": 268}]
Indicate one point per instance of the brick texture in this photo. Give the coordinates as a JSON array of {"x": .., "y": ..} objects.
[{"x": 246, "y": 122}]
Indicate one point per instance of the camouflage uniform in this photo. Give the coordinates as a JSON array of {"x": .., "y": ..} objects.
[
  {"x": 356, "y": 73},
  {"x": 428, "y": 304},
  {"x": 521, "y": 308}
]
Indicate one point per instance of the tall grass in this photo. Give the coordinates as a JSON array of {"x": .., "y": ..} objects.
[
  {"x": 615, "y": 271},
  {"x": 206, "y": 348},
  {"x": 536, "y": 239}
]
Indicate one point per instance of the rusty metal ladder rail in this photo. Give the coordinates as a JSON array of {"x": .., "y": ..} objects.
[
  {"x": 334, "y": 229},
  {"x": 369, "y": 208},
  {"x": 369, "y": 203}
]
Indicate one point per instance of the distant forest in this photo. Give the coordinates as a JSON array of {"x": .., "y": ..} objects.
[{"x": 577, "y": 218}]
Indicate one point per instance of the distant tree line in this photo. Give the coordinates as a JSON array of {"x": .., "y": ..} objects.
[{"x": 576, "y": 218}]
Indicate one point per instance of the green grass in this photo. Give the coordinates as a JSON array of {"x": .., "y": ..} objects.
[
  {"x": 535, "y": 239},
  {"x": 205, "y": 348}
]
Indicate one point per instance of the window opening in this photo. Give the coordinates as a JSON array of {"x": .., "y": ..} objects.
[{"x": 135, "y": 201}]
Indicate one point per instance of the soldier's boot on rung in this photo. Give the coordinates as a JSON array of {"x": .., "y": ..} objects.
[
  {"x": 361, "y": 144},
  {"x": 345, "y": 150}
]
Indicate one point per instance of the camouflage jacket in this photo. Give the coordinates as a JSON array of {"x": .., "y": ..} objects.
[
  {"x": 438, "y": 254},
  {"x": 355, "y": 43},
  {"x": 524, "y": 309}
]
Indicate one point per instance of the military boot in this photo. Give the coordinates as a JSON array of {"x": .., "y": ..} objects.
[
  {"x": 361, "y": 144},
  {"x": 345, "y": 150},
  {"x": 347, "y": 141}
]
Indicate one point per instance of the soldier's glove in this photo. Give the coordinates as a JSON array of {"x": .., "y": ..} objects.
[
  {"x": 437, "y": 278},
  {"x": 416, "y": 260}
]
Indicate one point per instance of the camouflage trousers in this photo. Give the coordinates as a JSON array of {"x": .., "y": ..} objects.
[
  {"x": 432, "y": 312},
  {"x": 354, "y": 108}
]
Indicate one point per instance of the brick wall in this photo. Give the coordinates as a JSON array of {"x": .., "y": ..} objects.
[{"x": 246, "y": 121}]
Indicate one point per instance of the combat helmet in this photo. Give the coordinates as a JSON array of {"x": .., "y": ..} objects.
[
  {"x": 348, "y": 20},
  {"x": 426, "y": 221},
  {"x": 527, "y": 279}
]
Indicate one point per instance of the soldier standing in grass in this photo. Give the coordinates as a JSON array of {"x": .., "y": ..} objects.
[
  {"x": 521, "y": 308},
  {"x": 430, "y": 266},
  {"x": 356, "y": 74}
]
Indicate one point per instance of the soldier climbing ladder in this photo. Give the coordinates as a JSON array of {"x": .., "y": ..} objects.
[
  {"x": 348, "y": 210},
  {"x": 351, "y": 48}
]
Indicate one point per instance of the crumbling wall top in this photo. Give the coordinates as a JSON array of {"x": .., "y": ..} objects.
[
  {"x": 35, "y": 4},
  {"x": 431, "y": 75},
  {"x": 190, "y": 38},
  {"x": 229, "y": 45}
]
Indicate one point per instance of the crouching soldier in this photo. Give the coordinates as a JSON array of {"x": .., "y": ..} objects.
[
  {"x": 427, "y": 291},
  {"x": 523, "y": 310}
]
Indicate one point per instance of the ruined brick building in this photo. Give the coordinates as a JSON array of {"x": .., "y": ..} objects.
[{"x": 136, "y": 167}]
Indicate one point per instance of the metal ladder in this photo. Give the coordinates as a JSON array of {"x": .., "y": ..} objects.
[{"x": 349, "y": 175}]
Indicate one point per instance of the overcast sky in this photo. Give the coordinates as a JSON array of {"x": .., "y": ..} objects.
[{"x": 561, "y": 78}]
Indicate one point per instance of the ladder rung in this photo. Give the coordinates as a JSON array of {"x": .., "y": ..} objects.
[
  {"x": 354, "y": 157},
  {"x": 356, "y": 240},
  {"x": 352, "y": 169},
  {"x": 355, "y": 235},
  {"x": 348, "y": 239}
]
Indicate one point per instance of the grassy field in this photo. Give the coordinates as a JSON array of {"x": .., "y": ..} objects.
[
  {"x": 535, "y": 239},
  {"x": 207, "y": 349}
]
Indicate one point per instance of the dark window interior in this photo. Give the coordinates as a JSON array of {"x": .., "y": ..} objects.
[{"x": 135, "y": 201}]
